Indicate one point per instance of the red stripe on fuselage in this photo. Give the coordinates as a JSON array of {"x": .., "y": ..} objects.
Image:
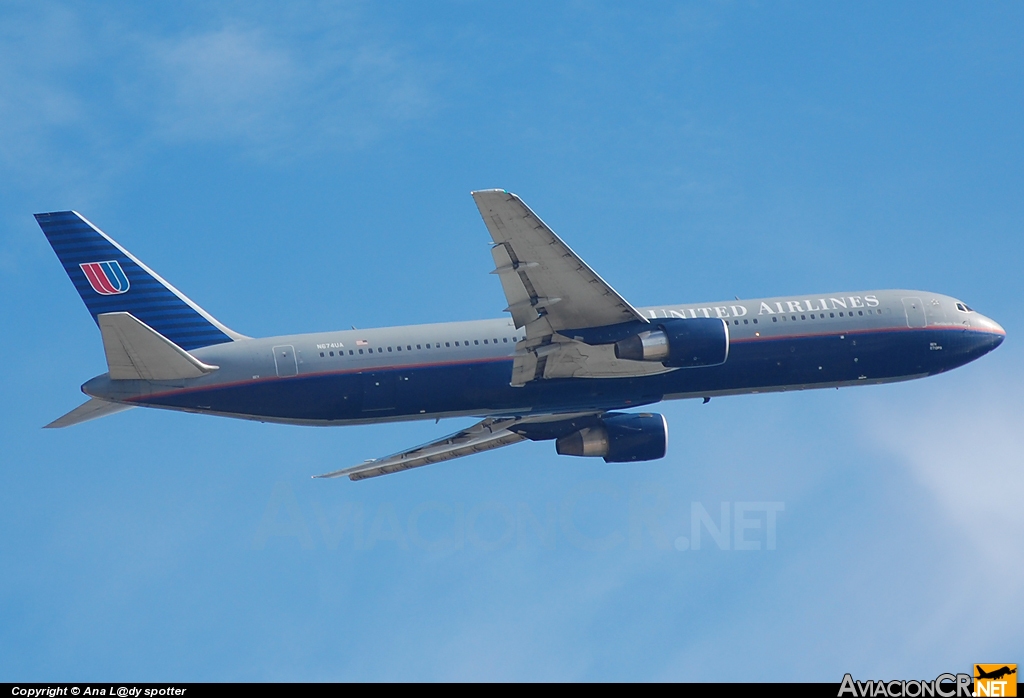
[
  {"x": 875, "y": 330},
  {"x": 443, "y": 364}
]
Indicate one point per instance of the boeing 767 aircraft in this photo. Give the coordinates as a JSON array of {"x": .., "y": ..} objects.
[{"x": 572, "y": 355}]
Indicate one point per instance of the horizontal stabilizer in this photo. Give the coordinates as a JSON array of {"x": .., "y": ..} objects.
[
  {"x": 94, "y": 409},
  {"x": 137, "y": 351}
]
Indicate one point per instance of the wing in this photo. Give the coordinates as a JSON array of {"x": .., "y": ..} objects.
[
  {"x": 541, "y": 276},
  {"x": 491, "y": 433},
  {"x": 549, "y": 289}
]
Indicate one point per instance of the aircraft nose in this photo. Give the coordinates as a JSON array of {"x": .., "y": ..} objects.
[{"x": 990, "y": 326}]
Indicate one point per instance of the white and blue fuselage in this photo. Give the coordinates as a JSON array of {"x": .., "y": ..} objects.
[
  {"x": 463, "y": 368},
  {"x": 570, "y": 357}
]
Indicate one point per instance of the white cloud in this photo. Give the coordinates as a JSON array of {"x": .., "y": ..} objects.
[
  {"x": 966, "y": 448},
  {"x": 224, "y": 83},
  {"x": 280, "y": 93},
  {"x": 41, "y": 109},
  {"x": 85, "y": 96}
]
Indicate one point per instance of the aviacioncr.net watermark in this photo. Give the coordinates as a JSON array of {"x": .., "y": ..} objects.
[{"x": 593, "y": 516}]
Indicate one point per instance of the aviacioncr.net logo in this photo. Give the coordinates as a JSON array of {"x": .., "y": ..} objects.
[{"x": 943, "y": 686}]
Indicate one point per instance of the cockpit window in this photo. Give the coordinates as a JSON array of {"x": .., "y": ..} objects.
[{"x": 964, "y": 308}]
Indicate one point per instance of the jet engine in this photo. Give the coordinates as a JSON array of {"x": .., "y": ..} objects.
[
  {"x": 679, "y": 343},
  {"x": 619, "y": 438}
]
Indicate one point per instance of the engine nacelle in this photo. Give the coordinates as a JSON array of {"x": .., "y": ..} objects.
[
  {"x": 679, "y": 343},
  {"x": 619, "y": 438}
]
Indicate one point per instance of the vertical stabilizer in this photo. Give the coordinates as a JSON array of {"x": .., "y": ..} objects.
[{"x": 111, "y": 280}]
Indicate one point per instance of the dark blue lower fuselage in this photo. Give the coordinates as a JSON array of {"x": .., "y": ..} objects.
[{"x": 481, "y": 386}]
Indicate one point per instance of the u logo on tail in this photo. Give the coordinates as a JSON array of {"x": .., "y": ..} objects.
[{"x": 106, "y": 278}]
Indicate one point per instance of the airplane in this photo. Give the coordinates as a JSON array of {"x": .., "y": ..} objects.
[
  {"x": 567, "y": 363},
  {"x": 996, "y": 674}
]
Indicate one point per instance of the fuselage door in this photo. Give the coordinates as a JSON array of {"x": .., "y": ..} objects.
[
  {"x": 915, "y": 312},
  {"x": 284, "y": 359}
]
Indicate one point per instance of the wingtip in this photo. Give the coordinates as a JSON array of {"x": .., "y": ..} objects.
[{"x": 353, "y": 470}]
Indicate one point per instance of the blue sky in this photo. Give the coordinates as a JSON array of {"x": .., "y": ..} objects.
[{"x": 308, "y": 167}]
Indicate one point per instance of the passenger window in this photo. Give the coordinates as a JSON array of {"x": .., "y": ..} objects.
[
  {"x": 360, "y": 351},
  {"x": 794, "y": 318},
  {"x": 495, "y": 340},
  {"x": 448, "y": 344},
  {"x": 831, "y": 314},
  {"x": 735, "y": 322},
  {"x": 389, "y": 348},
  {"x": 321, "y": 355},
  {"x": 399, "y": 347},
  {"x": 860, "y": 312},
  {"x": 802, "y": 317},
  {"x": 350, "y": 352},
  {"x": 505, "y": 340},
  {"x": 477, "y": 342},
  {"x": 332, "y": 353},
  {"x": 755, "y": 321},
  {"x": 745, "y": 322}
]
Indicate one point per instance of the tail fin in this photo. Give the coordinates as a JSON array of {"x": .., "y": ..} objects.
[{"x": 111, "y": 280}]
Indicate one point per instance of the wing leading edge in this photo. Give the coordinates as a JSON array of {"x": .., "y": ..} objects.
[{"x": 491, "y": 433}]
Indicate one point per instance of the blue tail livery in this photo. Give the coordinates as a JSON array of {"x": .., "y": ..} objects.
[{"x": 111, "y": 280}]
